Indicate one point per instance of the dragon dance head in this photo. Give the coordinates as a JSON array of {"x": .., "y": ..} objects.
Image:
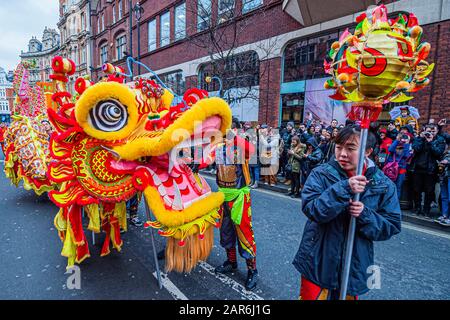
[
  {"x": 121, "y": 139},
  {"x": 381, "y": 61}
]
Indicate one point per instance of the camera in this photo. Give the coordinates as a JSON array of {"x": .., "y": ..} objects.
[{"x": 428, "y": 135}]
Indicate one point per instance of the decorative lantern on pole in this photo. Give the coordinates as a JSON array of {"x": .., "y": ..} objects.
[{"x": 382, "y": 62}]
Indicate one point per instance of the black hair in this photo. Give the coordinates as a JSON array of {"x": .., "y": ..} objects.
[
  {"x": 235, "y": 124},
  {"x": 349, "y": 131},
  {"x": 349, "y": 122}
]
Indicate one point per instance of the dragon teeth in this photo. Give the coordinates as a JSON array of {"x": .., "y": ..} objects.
[
  {"x": 167, "y": 200},
  {"x": 189, "y": 203},
  {"x": 162, "y": 191},
  {"x": 177, "y": 201}
]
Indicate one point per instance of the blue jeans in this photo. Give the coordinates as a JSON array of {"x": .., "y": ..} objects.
[
  {"x": 445, "y": 197},
  {"x": 399, "y": 184},
  {"x": 255, "y": 173},
  {"x": 132, "y": 205}
]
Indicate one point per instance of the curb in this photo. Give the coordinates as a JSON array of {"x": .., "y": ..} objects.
[
  {"x": 424, "y": 222},
  {"x": 407, "y": 216}
]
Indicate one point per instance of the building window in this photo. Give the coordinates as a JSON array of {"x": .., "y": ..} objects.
[
  {"x": 226, "y": 10},
  {"x": 74, "y": 56},
  {"x": 114, "y": 13},
  {"x": 152, "y": 35},
  {"x": 165, "y": 29},
  {"x": 303, "y": 59},
  {"x": 249, "y": 5},
  {"x": 238, "y": 71},
  {"x": 103, "y": 54},
  {"x": 120, "y": 9},
  {"x": 98, "y": 25},
  {"x": 175, "y": 81},
  {"x": 180, "y": 21},
  {"x": 203, "y": 15},
  {"x": 83, "y": 55},
  {"x": 305, "y": 54},
  {"x": 121, "y": 43},
  {"x": 292, "y": 107},
  {"x": 83, "y": 22},
  {"x": 103, "y": 21}
]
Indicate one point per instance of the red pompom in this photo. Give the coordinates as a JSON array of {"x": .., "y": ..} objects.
[{"x": 361, "y": 17}]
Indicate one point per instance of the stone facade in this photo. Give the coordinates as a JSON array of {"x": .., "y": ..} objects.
[
  {"x": 41, "y": 52},
  {"x": 5, "y": 97},
  {"x": 75, "y": 28}
]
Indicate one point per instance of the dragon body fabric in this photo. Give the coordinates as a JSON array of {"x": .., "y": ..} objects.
[
  {"x": 120, "y": 139},
  {"x": 27, "y": 138}
]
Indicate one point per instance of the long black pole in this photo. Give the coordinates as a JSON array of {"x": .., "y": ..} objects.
[
  {"x": 352, "y": 224},
  {"x": 139, "y": 45},
  {"x": 130, "y": 19}
]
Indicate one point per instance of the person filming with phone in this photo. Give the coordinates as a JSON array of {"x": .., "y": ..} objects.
[{"x": 428, "y": 149}]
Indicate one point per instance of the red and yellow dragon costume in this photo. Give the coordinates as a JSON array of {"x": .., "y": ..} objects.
[
  {"x": 119, "y": 139},
  {"x": 27, "y": 138}
]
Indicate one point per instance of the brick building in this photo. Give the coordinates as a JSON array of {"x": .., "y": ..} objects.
[{"x": 267, "y": 59}]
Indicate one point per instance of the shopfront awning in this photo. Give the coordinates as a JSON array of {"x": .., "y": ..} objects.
[{"x": 310, "y": 12}]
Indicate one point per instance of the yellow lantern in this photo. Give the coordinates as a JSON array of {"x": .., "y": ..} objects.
[{"x": 381, "y": 61}]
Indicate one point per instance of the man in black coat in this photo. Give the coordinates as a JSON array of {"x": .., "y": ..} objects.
[
  {"x": 428, "y": 149},
  {"x": 327, "y": 201}
]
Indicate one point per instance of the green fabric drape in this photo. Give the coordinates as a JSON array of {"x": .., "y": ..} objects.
[{"x": 236, "y": 195}]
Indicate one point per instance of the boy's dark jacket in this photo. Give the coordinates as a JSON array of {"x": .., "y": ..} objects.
[{"x": 325, "y": 199}]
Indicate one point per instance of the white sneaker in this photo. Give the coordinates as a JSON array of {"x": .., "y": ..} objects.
[{"x": 445, "y": 222}]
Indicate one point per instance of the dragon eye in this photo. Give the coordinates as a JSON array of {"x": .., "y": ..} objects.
[{"x": 108, "y": 116}]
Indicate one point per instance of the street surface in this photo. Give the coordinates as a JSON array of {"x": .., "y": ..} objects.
[{"x": 414, "y": 264}]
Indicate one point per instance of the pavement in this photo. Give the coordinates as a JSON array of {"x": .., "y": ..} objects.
[{"x": 414, "y": 264}]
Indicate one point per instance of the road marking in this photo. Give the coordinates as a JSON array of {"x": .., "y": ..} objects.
[
  {"x": 248, "y": 295},
  {"x": 408, "y": 225},
  {"x": 171, "y": 287}
]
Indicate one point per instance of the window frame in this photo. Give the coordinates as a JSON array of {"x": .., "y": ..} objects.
[
  {"x": 225, "y": 12},
  {"x": 164, "y": 40},
  {"x": 177, "y": 33},
  {"x": 119, "y": 54},
  {"x": 199, "y": 16},
  {"x": 114, "y": 13},
  {"x": 247, "y": 9},
  {"x": 120, "y": 9},
  {"x": 103, "y": 46},
  {"x": 155, "y": 43}
]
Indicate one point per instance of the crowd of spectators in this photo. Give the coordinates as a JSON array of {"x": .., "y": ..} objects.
[{"x": 419, "y": 155}]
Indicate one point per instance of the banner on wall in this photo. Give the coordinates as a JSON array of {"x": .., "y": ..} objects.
[
  {"x": 321, "y": 106},
  {"x": 244, "y": 102}
]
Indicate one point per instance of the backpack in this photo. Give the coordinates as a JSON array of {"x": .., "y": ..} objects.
[{"x": 391, "y": 170}]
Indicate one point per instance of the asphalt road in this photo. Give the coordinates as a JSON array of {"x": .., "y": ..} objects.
[{"x": 414, "y": 264}]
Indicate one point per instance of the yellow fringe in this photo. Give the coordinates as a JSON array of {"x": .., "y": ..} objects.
[
  {"x": 120, "y": 212},
  {"x": 93, "y": 212},
  {"x": 184, "y": 259}
]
